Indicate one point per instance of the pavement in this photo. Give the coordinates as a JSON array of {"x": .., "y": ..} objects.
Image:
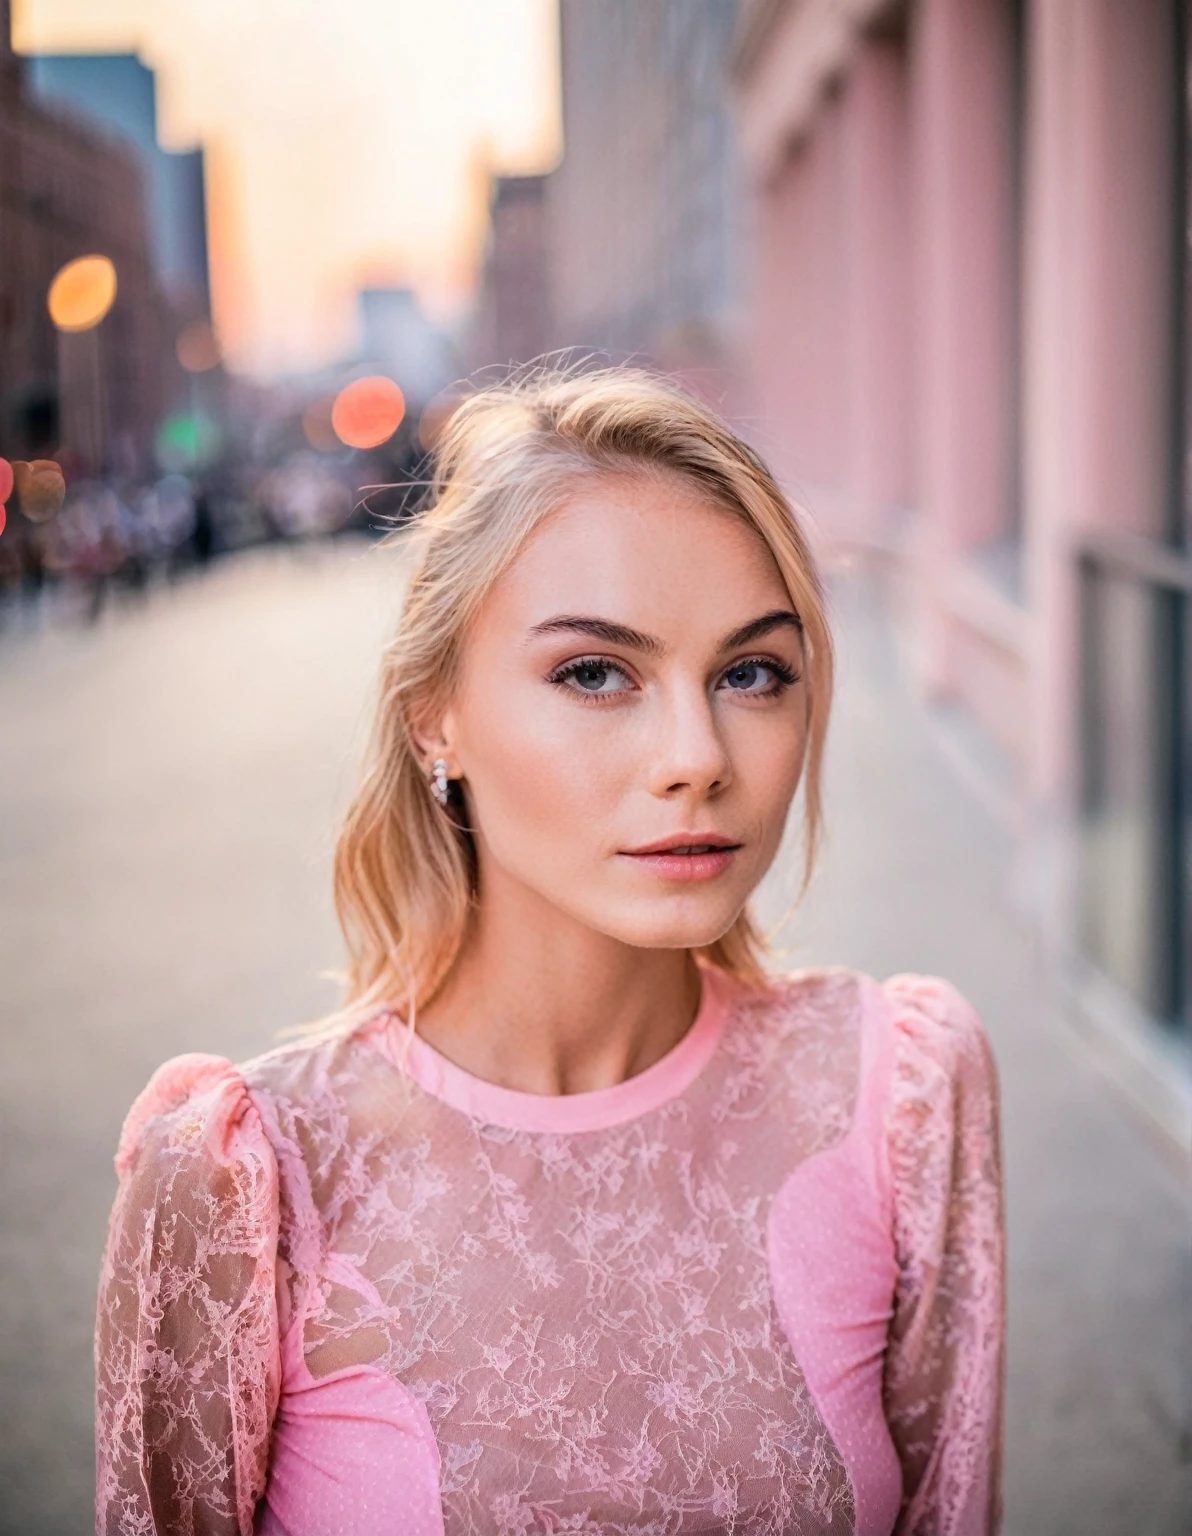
[{"x": 169, "y": 787}]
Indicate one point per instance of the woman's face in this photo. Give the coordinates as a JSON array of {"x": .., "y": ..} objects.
[{"x": 631, "y": 717}]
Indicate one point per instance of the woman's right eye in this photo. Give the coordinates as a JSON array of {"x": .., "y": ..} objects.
[{"x": 593, "y": 675}]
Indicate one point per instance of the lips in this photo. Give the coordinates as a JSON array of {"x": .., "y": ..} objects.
[
  {"x": 685, "y": 843},
  {"x": 689, "y": 856}
]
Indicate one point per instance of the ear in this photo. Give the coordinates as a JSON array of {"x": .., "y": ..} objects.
[{"x": 432, "y": 738}]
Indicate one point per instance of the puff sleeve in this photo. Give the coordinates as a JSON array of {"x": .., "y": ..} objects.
[
  {"x": 187, "y": 1362},
  {"x": 943, "y": 1380}
]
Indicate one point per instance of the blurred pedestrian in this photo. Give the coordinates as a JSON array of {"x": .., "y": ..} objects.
[{"x": 203, "y": 535}]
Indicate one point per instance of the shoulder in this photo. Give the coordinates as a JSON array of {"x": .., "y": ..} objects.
[
  {"x": 208, "y": 1106},
  {"x": 793, "y": 1012},
  {"x": 907, "y": 1024},
  {"x": 940, "y": 1047},
  {"x": 827, "y": 998},
  {"x": 191, "y": 1103},
  {"x": 914, "y": 1048},
  {"x": 197, "y": 1174},
  {"x": 923, "y": 1021},
  {"x": 798, "y": 1039}
]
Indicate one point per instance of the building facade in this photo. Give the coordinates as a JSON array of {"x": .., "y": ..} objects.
[
  {"x": 513, "y": 312},
  {"x": 969, "y": 344},
  {"x": 118, "y": 92},
  {"x": 642, "y": 210},
  {"x": 93, "y": 399}
]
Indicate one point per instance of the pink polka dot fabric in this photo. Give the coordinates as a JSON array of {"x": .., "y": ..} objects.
[
  {"x": 352, "y": 1455},
  {"x": 349, "y": 1288}
]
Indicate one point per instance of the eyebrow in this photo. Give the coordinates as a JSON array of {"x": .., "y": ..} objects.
[
  {"x": 600, "y": 629},
  {"x": 634, "y": 640},
  {"x": 777, "y": 618}
]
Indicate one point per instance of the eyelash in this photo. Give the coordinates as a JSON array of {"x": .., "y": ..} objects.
[
  {"x": 785, "y": 676},
  {"x": 561, "y": 675}
]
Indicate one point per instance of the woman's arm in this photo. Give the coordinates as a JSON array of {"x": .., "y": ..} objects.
[
  {"x": 187, "y": 1366},
  {"x": 944, "y": 1361}
]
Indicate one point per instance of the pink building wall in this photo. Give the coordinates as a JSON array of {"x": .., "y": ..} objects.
[
  {"x": 961, "y": 173},
  {"x": 1097, "y": 322},
  {"x": 877, "y": 272},
  {"x": 832, "y": 333},
  {"x": 964, "y": 219}
]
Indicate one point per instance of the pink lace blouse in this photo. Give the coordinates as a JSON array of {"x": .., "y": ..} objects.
[{"x": 757, "y": 1288}]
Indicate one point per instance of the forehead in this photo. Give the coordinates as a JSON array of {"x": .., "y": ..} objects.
[{"x": 651, "y": 551}]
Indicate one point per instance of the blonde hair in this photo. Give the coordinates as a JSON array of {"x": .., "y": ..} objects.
[{"x": 405, "y": 875}]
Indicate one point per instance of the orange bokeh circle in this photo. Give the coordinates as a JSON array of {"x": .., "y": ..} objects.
[
  {"x": 368, "y": 412},
  {"x": 82, "y": 293},
  {"x": 40, "y": 488}
]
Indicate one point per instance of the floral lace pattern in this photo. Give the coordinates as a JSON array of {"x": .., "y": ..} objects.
[
  {"x": 587, "y": 1318},
  {"x": 186, "y": 1342},
  {"x": 943, "y": 1385}
]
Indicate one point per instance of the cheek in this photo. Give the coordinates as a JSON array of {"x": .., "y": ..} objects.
[
  {"x": 767, "y": 753},
  {"x": 542, "y": 776}
]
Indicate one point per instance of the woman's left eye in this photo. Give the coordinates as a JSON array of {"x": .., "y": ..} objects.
[{"x": 758, "y": 677}]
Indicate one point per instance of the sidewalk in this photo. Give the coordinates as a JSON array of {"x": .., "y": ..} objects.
[{"x": 914, "y": 877}]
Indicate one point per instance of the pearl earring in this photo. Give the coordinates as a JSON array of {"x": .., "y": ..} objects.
[{"x": 438, "y": 781}]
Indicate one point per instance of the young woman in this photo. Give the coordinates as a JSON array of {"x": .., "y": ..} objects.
[{"x": 578, "y": 1219}]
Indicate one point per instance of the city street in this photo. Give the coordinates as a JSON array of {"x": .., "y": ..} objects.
[{"x": 169, "y": 783}]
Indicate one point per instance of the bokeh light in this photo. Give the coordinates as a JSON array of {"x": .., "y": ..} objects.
[
  {"x": 188, "y": 440},
  {"x": 306, "y": 499},
  {"x": 368, "y": 412},
  {"x": 82, "y": 293},
  {"x": 196, "y": 347},
  {"x": 40, "y": 487},
  {"x": 7, "y": 481},
  {"x": 317, "y": 428}
]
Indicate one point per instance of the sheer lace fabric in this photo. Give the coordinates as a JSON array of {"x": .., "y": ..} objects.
[
  {"x": 187, "y": 1340},
  {"x": 333, "y": 1300},
  {"x": 943, "y": 1387}
]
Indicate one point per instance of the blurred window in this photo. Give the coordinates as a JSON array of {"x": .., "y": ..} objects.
[
  {"x": 1134, "y": 832},
  {"x": 1136, "y": 693}
]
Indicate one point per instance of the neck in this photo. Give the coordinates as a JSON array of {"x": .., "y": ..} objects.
[{"x": 541, "y": 1003}]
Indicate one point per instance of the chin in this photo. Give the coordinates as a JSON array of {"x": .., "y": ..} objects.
[{"x": 676, "y": 930}]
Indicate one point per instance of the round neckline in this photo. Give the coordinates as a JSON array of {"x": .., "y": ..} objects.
[{"x": 567, "y": 1113}]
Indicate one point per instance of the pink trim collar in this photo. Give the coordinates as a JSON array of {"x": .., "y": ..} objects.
[{"x": 570, "y": 1112}]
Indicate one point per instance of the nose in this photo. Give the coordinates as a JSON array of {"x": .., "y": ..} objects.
[{"x": 689, "y": 755}]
